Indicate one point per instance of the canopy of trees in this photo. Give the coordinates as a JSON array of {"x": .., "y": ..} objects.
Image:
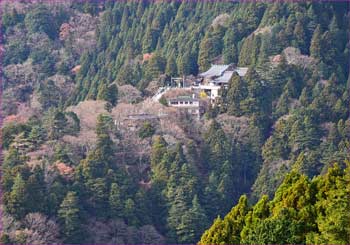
[{"x": 273, "y": 135}]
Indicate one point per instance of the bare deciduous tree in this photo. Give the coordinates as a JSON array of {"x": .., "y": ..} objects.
[
  {"x": 117, "y": 232},
  {"x": 149, "y": 235},
  {"x": 40, "y": 230}
]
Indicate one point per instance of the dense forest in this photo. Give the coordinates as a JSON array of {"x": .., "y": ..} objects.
[
  {"x": 275, "y": 146},
  {"x": 303, "y": 211}
]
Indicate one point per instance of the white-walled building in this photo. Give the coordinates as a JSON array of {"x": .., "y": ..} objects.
[
  {"x": 190, "y": 104},
  {"x": 206, "y": 86},
  {"x": 217, "y": 77}
]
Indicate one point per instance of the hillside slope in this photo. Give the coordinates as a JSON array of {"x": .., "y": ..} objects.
[{"x": 87, "y": 151}]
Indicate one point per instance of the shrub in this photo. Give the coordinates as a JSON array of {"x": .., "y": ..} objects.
[{"x": 147, "y": 130}]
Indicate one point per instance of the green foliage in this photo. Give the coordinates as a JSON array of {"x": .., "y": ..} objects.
[
  {"x": 147, "y": 130},
  {"x": 126, "y": 75},
  {"x": 55, "y": 124},
  {"x": 9, "y": 131},
  {"x": 155, "y": 66},
  {"x": 37, "y": 135},
  {"x": 157, "y": 153},
  {"x": 209, "y": 48},
  {"x": 302, "y": 211},
  {"x": 163, "y": 101},
  {"x": 91, "y": 7},
  {"x": 5, "y": 239},
  {"x": 332, "y": 206},
  {"x": 129, "y": 214},
  {"x": 73, "y": 127},
  {"x": 227, "y": 231},
  {"x": 187, "y": 64},
  {"x": 115, "y": 201},
  {"x": 70, "y": 216},
  {"x": 40, "y": 19},
  {"x": 97, "y": 196},
  {"x": 192, "y": 222},
  {"x": 16, "y": 200},
  {"x": 127, "y": 32},
  {"x": 12, "y": 166},
  {"x": 300, "y": 37},
  {"x": 50, "y": 95},
  {"x": 315, "y": 47},
  {"x": 17, "y": 52},
  {"x": 108, "y": 93},
  {"x": 249, "y": 51},
  {"x": 237, "y": 92},
  {"x": 282, "y": 117},
  {"x": 230, "y": 51},
  {"x": 219, "y": 148},
  {"x": 37, "y": 190},
  {"x": 171, "y": 66},
  {"x": 11, "y": 18}
]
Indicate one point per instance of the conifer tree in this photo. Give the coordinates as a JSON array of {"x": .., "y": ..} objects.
[
  {"x": 115, "y": 201},
  {"x": 178, "y": 206},
  {"x": 237, "y": 91},
  {"x": 315, "y": 47},
  {"x": 332, "y": 204},
  {"x": 266, "y": 49},
  {"x": 171, "y": 66},
  {"x": 37, "y": 191},
  {"x": 13, "y": 160},
  {"x": 282, "y": 105},
  {"x": 300, "y": 37},
  {"x": 57, "y": 125},
  {"x": 97, "y": 196},
  {"x": 227, "y": 231},
  {"x": 218, "y": 150},
  {"x": 16, "y": 200},
  {"x": 305, "y": 97},
  {"x": 212, "y": 196},
  {"x": 204, "y": 58},
  {"x": 129, "y": 212},
  {"x": 251, "y": 231},
  {"x": 157, "y": 153},
  {"x": 71, "y": 219},
  {"x": 108, "y": 93},
  {"x": 230, "y": 51},
  {"x": 193, "y": 223},
  {"x": 187, "y": 64},
  {"x": 156, "y": 66}
]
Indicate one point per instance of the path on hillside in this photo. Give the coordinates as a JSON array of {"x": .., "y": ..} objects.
[{"x": 160, "y": 92}]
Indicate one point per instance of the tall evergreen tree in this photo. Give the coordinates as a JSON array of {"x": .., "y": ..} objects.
[
  {"x": 315, "y": 47},
  {"x": 171, "y": 67},
  {"x": 300, "y": 37},
  {"x": 227, "y": 231},
  {"x": 71, "y": 219},
  {"x": 16, "y": 200},
  {"x": 157, "y": 153},
  {"x": 230, "y": 51},
  {"x": 193, "y": 223},
  {"x": 36, "y": 191},
  {"x": 115, "y": 201},
  {"x": 237, "y": 92}
]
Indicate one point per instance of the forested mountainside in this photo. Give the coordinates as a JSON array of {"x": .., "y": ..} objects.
[
  {"x": 303, "y": 211},
  {"x": 91, "y": 157}
]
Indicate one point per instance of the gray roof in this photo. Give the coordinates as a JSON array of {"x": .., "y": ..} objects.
[
  {"x": 225, "y": 77},
  {"x": 241, "y": 71},
  {"x": 215, "y": 71}
]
